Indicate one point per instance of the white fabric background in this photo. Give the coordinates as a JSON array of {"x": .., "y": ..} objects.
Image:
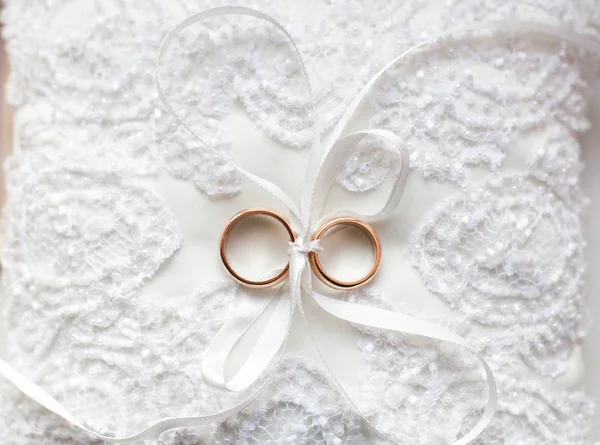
[{"x": 184, "y": 200}]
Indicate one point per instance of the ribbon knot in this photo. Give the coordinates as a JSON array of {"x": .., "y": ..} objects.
[{"x": 303, "y": 247}]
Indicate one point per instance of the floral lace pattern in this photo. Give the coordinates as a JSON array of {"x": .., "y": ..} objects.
[
  {"x": 144, "y": 348},
  {"x": 419, "y": 391},
  {"x": 508, "y": 254},
  {"x": 471, "y": 99},
  {"x": 85, "y": 231},
  {"x": 303, "y": 409}
]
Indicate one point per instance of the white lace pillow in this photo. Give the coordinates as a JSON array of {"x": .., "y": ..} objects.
[{"x": 113, "y": 286}]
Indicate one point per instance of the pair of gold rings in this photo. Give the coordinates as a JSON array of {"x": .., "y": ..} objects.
[{"x": 313, "y": 257}]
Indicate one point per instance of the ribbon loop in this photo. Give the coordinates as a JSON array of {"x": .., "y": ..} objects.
[
  {"x": 271, "y": 188},
  {"x": 333, "y": 162}
]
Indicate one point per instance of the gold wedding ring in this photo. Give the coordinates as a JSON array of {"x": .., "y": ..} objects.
[
  {"x": 223, "y": 246},
  {"x": 313, "y": 257},
  {"x": 328, "y": 279}
]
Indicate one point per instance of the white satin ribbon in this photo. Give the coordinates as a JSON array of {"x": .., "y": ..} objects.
[{"x": 326, "y": 162}]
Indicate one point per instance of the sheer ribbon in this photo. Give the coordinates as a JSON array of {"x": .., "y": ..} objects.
[{"x": 326, "y": 161}]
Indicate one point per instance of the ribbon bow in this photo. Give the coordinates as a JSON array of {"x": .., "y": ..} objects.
[
  {"x": 324, "y": 166},
  {"x": 326, "y": 161}
]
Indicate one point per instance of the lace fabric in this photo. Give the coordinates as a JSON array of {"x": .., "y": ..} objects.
[
  {"x": 85, "y": 231},
  {"x": 516, "y": 263},
  {"x": 409, "y": 380}
]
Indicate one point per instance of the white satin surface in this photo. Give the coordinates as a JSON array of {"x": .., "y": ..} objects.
[{"x": 326, "y": 161}]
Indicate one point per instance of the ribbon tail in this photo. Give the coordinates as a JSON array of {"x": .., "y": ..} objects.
[
  {"x": 398, "y": 322},
  {"x": 264, "y": 350},
  {"x": 39, "y": 395},
  {"x": 272, "y": 339},
  {"x": 277, "y": 331}
]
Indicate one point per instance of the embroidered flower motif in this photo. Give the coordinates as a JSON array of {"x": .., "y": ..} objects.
[
  {"x": 302, "y": 409},
  {"x": 419, "y": 390},
  {"x": 454, "y": 116},
  {"x": 558, "y": 163},
  {"x": 186, "y": 158},
  {"x": 368, "y": 166},
  {"x": 53, "y": 139},
  {"x": 66, "y": 59},
  {"x": 144, "y": 358},
  {"x": 509, "y": 255},
  {"x": 73, "y": 229},
  {"x": 419, "y": 393}
]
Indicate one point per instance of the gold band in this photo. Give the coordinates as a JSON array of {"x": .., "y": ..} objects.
[
  {"x": 223, "y": 246},
  {"x": 328, "y": 279}
]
